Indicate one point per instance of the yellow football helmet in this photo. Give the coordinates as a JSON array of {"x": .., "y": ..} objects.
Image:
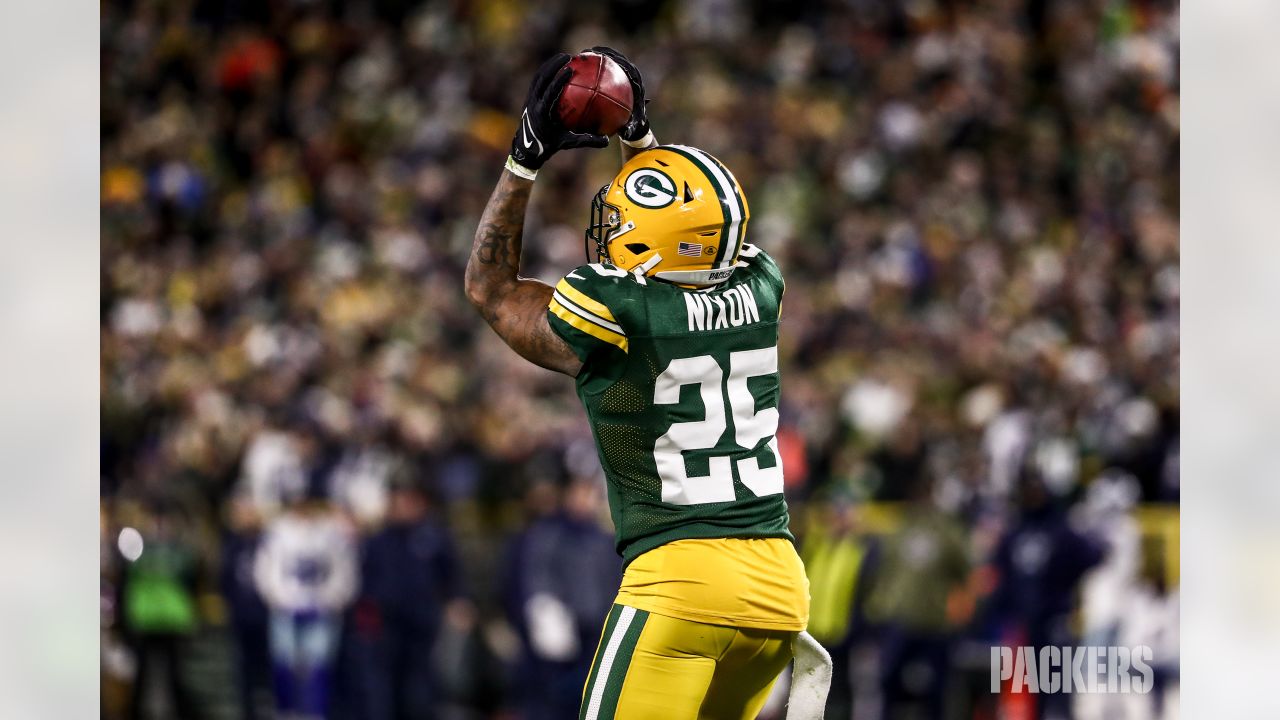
[{"x": 674, "y": 213}]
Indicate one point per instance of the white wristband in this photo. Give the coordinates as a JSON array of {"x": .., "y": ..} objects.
[
  {"x": 519, "y": 170},
  {"x": 643, "y": 142}
]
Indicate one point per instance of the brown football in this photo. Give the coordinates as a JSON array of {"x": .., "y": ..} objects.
[{"x": 598, "y": 96}]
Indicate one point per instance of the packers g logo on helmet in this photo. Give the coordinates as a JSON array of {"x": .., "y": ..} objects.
[
  {"x": 650, "y": 188},
  {"x": 674, "y": 213}
]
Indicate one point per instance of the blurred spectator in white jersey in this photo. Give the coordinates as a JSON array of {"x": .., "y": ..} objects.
[{"x": 306, "y": 572}]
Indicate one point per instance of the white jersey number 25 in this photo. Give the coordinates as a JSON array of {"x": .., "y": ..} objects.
[{"x": 750, "y": 427}]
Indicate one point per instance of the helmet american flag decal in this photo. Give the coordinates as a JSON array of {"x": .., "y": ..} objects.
[{"x": 689, "y": 249}]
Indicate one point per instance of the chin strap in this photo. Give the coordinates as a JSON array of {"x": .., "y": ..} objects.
[
  {"x": 627, "y": 227},
  {"x": 644, "y": 267},
  {"x": 810, "y": 679}
]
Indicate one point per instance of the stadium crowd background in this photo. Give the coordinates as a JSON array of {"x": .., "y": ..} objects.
[{"x": 975, "y": 204}]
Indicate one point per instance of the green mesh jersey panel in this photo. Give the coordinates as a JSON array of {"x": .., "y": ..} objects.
[{"x": 681, "y": 388}]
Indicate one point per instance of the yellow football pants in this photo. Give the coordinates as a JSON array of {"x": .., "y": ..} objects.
[{"x": 654, "y": 667}]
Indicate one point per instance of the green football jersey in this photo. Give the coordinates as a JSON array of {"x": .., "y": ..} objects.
[{"x": 681, "y": 388}]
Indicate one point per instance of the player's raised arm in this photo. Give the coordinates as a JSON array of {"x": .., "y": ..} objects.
[
  {"x": 516, "y": 307},
  {"x": 636, "y": 135}
]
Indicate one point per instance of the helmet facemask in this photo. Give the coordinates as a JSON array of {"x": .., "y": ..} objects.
[{"x": 605, "y": 219}]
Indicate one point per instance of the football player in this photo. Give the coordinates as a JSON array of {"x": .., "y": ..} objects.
[{"x": 672, "y": 337}]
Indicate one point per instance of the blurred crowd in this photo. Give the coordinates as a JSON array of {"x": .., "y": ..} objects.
[{"x": 328, "y": 488}]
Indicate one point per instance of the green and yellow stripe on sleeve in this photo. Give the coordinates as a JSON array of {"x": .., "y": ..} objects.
[{"x": 585, "y": 316}]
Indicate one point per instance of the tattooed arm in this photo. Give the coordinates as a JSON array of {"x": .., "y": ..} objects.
[{"x": 515, "y": 307}]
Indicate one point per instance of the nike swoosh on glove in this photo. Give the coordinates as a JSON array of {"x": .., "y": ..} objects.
[{"x": 541, "y": 134}]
